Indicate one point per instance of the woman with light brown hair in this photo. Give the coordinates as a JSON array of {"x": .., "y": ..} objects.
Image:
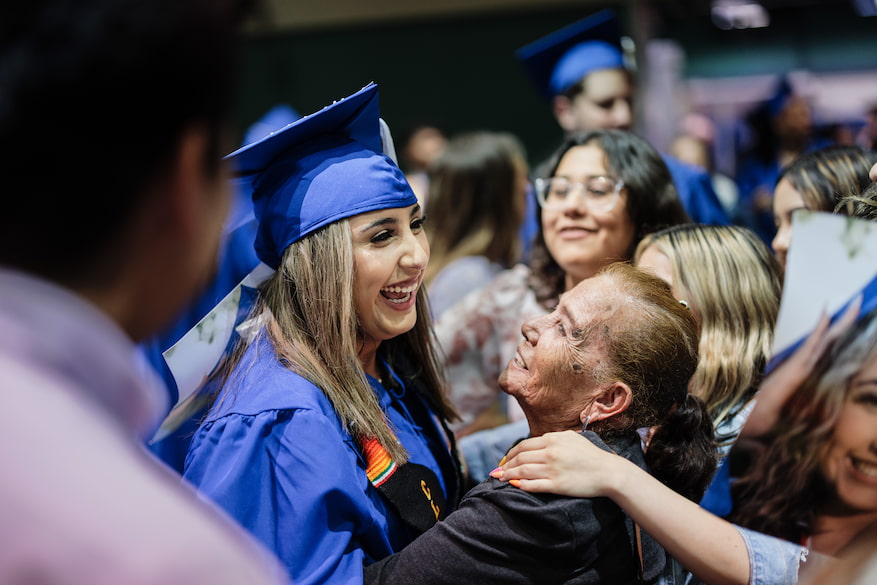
[{"x": 476, "y": 204}]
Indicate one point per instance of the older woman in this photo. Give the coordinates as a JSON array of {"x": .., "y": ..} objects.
[
  {"x": 614, "y": 356},
  {"x": 327, "y": 437},
  {"x": 813, "y": 487},
  {"x": 605, "y": 190}
]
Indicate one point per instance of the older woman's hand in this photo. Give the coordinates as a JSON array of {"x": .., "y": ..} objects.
[{"x": 561, "y": 463}]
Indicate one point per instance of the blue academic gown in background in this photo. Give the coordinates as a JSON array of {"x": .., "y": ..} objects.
[
  {"x": 237, "y": 258},
  {"x": 274, "y": 454},
  {"x": 695, "y": 189},
  {"x": 757, "y": 178}
]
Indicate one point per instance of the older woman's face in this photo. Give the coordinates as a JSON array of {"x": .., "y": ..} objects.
[
  {"x": 580, "y": 239},
  {"x": 390, "y": 253},
  {"x": 552, "y": 371},
  {"x": 850, "y": 461}
]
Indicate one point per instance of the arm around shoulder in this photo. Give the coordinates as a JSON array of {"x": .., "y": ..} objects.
[{"x": 569, "y": 464}]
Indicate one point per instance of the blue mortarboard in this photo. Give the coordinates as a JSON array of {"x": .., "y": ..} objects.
[
  {"x": 561, "y": 59},
  {"x": 321, "y": 168},
  {"x": 279, "y": 116}
]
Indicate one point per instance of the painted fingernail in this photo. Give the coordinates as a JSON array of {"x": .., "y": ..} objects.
[
  {"x": 497, "y": 473},
  {"x": 515, "y": 482}
]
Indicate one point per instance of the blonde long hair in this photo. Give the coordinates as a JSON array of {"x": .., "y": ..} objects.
[
  {"x": 733, "y": 284},
  {"x": 313, "y": 325}
]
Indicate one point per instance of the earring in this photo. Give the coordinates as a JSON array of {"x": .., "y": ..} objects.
[{"x": 585, "y": 424}]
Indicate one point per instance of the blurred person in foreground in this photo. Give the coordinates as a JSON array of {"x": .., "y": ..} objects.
[{"x": 107, "y": 233}]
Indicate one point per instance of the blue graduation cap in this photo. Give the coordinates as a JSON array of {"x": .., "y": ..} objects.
[
  {"x": 279, "y": 116},
  {"x": 321, "y": 168},
  {"x": 561, "y": 59}
]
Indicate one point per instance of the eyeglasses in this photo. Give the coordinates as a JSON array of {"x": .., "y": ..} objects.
[{"x": 600, "y": 193}]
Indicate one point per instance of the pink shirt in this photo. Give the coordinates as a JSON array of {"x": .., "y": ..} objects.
[{"x": 81, "y": 499}]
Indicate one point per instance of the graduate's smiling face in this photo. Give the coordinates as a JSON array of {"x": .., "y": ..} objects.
[{"x": 390, "y": 254}]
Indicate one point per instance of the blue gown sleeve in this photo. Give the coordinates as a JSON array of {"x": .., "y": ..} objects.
[{"x": 294, "y": 480}]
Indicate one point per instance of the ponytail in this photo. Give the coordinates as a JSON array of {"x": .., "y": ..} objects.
[{"x": 682, "y": 452}]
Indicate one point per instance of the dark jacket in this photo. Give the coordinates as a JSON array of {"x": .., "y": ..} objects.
[{"x": 501, "y": 534}]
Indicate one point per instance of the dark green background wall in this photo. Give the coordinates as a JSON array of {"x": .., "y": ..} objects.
[
  {"x": 462, "y": 74},
  {"x": 818, "y": 38}
]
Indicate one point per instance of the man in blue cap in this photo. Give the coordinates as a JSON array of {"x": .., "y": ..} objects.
[
  {"x": 581, "y": 69},
  {"x": 114, "y": 116}
]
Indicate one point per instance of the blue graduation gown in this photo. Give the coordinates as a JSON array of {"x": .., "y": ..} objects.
[
  {"x": 695, "y": 189},
  {"x": 274, "y": 454}
]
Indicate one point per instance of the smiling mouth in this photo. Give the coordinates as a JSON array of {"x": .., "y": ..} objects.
[
  {"x": 865, "y": 467},
  {"x": 519, "y": 361},
  {"x": 400, "y": 294},
  {"x": 576, "y": 230}
]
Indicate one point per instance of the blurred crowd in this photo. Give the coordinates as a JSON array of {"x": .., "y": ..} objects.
[{"x": 325, "y": 355}]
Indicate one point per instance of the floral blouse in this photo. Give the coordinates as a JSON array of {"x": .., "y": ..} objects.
[{"x": 479, "y": 335}]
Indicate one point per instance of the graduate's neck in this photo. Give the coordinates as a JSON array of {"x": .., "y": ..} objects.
[{"x": 368, "y": 355}]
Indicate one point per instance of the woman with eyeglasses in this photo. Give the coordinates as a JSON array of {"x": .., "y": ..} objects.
[{"x": 606, "y": 190}]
